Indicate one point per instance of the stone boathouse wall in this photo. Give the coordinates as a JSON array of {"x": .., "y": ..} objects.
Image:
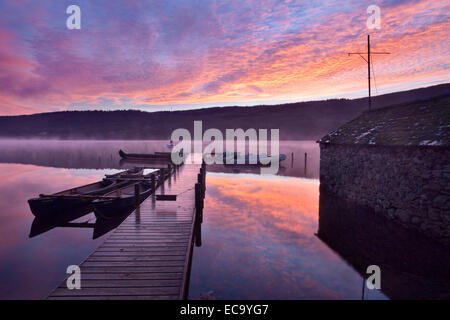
[{"x": 407, "y": 184}]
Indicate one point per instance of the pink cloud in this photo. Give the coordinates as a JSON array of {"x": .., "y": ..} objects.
[{"x": 184, "y": 53}]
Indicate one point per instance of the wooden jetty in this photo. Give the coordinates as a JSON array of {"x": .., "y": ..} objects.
[{"x": 149, "y": 255}]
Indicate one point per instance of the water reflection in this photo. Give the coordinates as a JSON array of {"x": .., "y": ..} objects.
[
  {"x": 412, "y": 267},
  {"x": 104, "y": 155},
  {"x": 31, "y": 268},
  {"x": 58, "y": 219},
  {"x": 257, "y": 238},
  {"x": 259, "y": 243},
  {"x": 99, "y": 228}
]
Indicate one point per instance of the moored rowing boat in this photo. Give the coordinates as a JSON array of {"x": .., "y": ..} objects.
[
  {"x": 144, "y": 156},
  {"x": 122, "y": 200},
  {"x": 250, "y": 159},
  {"x": 157, "y": 156},
  {"x": 73, "y": 199}
]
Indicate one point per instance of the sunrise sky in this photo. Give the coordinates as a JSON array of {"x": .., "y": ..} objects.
[{"x": 155, "y": 55}]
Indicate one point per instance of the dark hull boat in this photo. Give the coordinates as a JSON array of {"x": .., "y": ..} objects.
[
  {"x": 122, "y": 200},
  {"x": 144, "y": 156},
  {"x": 258, "y": 160},
  {"x": 135, "y": 172},
  {"x": 74, "y": 199},
  {"x": 157, "y": 156}
]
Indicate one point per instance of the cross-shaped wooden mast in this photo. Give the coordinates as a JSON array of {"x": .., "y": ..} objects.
[{"x": 368, "y": 64}]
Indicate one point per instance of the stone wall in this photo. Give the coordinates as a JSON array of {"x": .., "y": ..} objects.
[{"x": 409, "y": 185}]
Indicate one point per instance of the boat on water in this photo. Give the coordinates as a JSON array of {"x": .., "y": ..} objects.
[
  {"x": 134, "y": 172},
  {"x": 144, "y": 156},
  {"x": 249, "y": 159},
  {"x": 121, "y": 200},
  {"x": 73, "y": 199},
  {"x": 147, "y": 156}
]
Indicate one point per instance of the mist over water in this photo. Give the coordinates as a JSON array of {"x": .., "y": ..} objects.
[{"x": 92, "y": 154}]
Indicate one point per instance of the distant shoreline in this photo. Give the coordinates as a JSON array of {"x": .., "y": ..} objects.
[{"x": 296, "y": 121}]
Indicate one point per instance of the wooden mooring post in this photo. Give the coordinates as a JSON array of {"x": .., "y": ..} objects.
[
  {"x": 161, "y": 178},
  {"x": 198, "y": 234},
  {"x": 200, "y": 191},
  {"x": 136, "y": 194},
  {"x": 198, "y": 203},
  {"x": 306, "y": 161},
  {"x": 153, "y": 183}
]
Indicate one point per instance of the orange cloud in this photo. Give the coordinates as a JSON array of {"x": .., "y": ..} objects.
[{"x": 138, "y": 54}]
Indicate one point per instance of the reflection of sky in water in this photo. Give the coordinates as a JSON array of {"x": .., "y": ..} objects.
[
  {"x": 30, "y": 268},
  {"x": 258, "y": 232},
  {"x": 258, "y": 242}
]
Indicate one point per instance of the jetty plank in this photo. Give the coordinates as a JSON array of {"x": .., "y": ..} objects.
[{"x": 148, "y": 256}]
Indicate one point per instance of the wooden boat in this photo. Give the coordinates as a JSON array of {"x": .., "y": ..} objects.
[
  {"x": 145, "y": 174},
  {"x": 167, "y": 156},
  {"x": 73, "y": 199},
  {"x": 144, "y": 156},
  {"x": 121, "y": 200},
  {"x": 249, "y": 159},
  {"x": 128, "y": 173}
]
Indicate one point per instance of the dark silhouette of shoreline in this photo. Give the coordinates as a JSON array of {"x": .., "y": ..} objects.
[{"x": 296, "y": 121}]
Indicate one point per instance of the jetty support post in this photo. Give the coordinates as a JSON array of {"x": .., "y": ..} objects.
[
  {"x": 306, "y": 160},
  {"x": 162, "y": 179},
  {"x": 200, "y": 182},
  {"x": 198, "y": 203},
  {"x": 198, "y": 215},
  {"x": 161, "y": 176},
  {"x": 153, "y": 183},
  {"x": 136, "y": 194},
  {"x": 198, "y": 234},
  {"x": 153, "y": 186},
  {"x": 203, "y": 175}
]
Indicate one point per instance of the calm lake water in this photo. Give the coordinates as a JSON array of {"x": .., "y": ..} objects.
[
  {"x": 260, "y": 234},
  {"x": 259, "y": 242}
]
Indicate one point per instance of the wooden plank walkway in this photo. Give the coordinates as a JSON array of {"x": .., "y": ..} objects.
[{"x": 148, "y": 256}]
